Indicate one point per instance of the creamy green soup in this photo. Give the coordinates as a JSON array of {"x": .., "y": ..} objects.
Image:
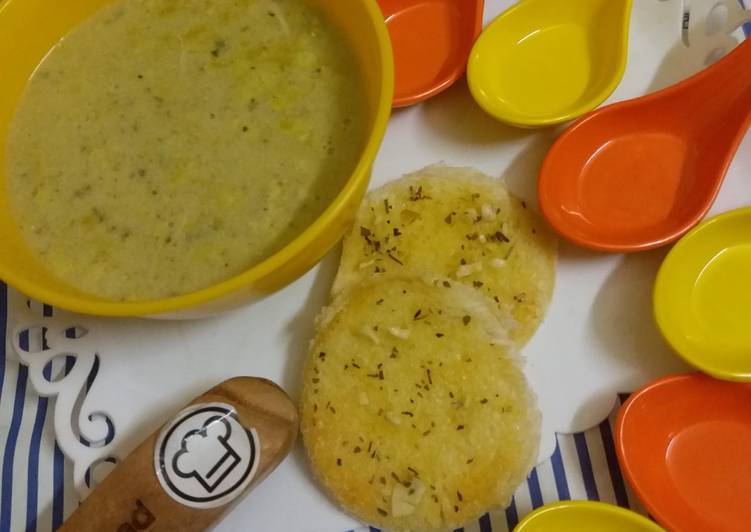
[{"x": 165, "y": 145}]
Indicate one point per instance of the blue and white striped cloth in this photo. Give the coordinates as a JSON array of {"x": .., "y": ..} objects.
[{"x": 36, "y": 493}]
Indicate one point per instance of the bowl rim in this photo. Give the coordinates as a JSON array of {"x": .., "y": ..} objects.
[{"x": 88, "y": 304}]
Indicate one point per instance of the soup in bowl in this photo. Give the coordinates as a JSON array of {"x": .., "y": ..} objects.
[{"x": 181, "y": 157}]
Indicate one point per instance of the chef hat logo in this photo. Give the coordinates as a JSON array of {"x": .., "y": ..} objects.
[{"x": 206, "y": 454}]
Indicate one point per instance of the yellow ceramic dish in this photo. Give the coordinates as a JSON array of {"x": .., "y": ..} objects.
[
  {"x": 702, "y": 297},
  {"x": 576, "y": 516},
  {"x": 544, "y": 62},
  {"x": 30, "y": 28}
]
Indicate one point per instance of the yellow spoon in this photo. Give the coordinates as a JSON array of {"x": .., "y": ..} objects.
[
  {"x": 577, "y": 516},
  {"x": 543, "y": 62},
  {"x": 702, "y": 296}
]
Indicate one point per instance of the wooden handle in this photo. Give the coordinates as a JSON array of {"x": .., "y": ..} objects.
[{"x": 187, "y": 474}]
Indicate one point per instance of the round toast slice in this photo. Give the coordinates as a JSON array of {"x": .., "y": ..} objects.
[
  {"x": 460, "y": 224},
  {"x": 415, "y": 412}
]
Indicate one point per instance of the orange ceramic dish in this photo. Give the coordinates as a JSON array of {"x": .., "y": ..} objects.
[
  {"x": 431, "y": 41},
  {"x": 684, "y": 444},
  {"x": 639, "y": 174}
]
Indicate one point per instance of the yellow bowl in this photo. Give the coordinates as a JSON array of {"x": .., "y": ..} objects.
[
  {"x": 30, "y": 28},
  {"x": 702, "y": 296},
  {"x": 544, "y": 62},
  {"x": 576, "y": 516}
]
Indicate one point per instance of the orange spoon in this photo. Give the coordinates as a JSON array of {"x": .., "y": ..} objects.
[
  {"x": 639, "y": 174},
  {"x": 684, "y": 444},
  {"x": 431, "y": 41}
]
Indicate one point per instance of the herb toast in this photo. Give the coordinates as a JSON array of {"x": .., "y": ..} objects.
[
  {"x": 415, "y": 413},
  {"x": 460, "y": 224}
]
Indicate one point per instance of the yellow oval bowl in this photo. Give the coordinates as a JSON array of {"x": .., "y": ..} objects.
[
  {"x": 30, "y": 28},
  {"x": 544, "y": 62},
  {"x": 702, "y": 296},
  {"x": 578, "y": 516}
]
